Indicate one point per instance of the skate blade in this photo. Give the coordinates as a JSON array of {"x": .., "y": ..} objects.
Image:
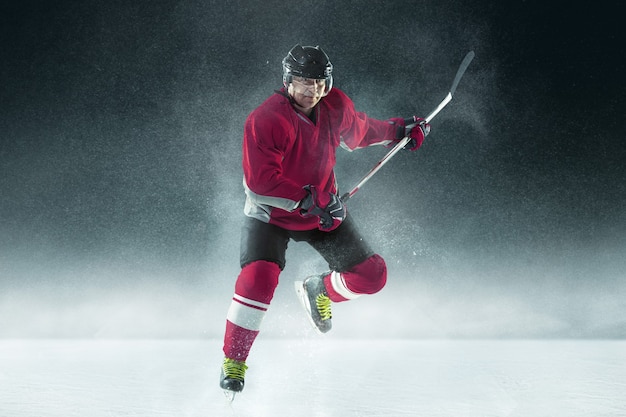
[
  {"x": 299, "y": 286},
  {"x": 230, "y": 395},
  {"x": 304, "y": 301}
]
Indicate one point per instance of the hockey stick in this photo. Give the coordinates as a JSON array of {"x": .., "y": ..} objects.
[{"x": 459, "y": 73}]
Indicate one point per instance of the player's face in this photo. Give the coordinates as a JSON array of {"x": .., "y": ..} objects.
[{"x": 307, "y": 92}]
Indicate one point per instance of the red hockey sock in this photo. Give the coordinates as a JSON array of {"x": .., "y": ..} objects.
[
  {"x": 238, "y": 341},
  {"x": 368, "y": 277},
  {"x": 253, "y": 292}
]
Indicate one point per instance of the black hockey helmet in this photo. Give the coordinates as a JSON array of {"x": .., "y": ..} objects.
[{"x": 308, "y": 62}]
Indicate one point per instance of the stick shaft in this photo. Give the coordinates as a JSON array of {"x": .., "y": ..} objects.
[
  {"x": 376, "y": 167},
  {"x": 459, "y": 73}
]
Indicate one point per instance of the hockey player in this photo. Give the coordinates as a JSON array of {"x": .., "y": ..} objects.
[{"x": 289, "y": 147}]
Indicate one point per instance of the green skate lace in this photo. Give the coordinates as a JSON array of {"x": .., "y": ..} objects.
[
  {"x": 234, "y": 369},
  {"x": 323, "y": 306}
]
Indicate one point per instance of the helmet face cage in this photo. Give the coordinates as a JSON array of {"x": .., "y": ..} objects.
[{"x": 308, "y": 62}]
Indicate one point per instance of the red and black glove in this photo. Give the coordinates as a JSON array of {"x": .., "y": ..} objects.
[
  {"x": 327, "y": 206},
  {"x": 414, "y": 127}
]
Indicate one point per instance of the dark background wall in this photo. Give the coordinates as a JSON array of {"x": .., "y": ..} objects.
[{"x": 120, "y": 178}]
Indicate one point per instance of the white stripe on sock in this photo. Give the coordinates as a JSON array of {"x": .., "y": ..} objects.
[
  {"x": 246, "y": 313},
  {"x": 339, "y": 285},
  {"x": 245, "y": 300}
]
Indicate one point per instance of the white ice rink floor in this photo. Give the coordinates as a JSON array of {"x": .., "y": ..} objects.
[{"x": 314, "y": 378}]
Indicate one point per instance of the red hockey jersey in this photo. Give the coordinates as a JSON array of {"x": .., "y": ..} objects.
[{"x": 283, "y": 150}]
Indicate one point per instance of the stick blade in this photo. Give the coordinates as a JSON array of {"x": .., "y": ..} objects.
[{"x": 464, "y": 64}]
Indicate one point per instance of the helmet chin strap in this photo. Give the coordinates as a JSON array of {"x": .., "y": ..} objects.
[
  {"x": 292, "y": 100},
  {"x": 295, "y": 104},
  {"x": 287, "y": 96},
  {"x": 300, "y": 106}
]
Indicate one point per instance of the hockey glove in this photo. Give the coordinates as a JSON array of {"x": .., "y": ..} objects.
[
  {"x": 327, "y": 206},
  {"x": 414, "y": 127}
]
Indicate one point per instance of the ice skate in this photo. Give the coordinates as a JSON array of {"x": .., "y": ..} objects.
[
  {"x": 315, "y": 301},
  {"x": 232, "y": 377}
]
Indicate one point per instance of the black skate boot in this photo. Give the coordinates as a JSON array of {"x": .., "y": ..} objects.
[
  {"x": 232, "y": 377},
  {"x": 314, "y": 299}
]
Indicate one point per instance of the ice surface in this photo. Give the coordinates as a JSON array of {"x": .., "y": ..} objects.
[{"x": 316, "y": 377}]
